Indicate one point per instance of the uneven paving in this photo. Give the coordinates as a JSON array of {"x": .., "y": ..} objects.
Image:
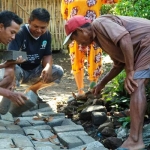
[{"x": 44, "y": 129}]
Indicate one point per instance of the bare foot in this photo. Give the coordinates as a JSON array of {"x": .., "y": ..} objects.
[{"x": 132, "y": 145}]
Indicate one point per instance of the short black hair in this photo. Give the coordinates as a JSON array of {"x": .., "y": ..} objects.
[
  {"x": 83, "y": 26},
  {"x": 41, "y": 14},
  {"x": 6, "y": 17}
]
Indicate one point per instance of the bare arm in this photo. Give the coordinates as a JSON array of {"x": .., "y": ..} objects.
[
  {"x": 108, "y": 77},
  {"x": 47, "y": 63},
  {"x": 127, "y": 49}
]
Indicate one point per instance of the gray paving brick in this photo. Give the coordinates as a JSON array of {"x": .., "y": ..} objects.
[
  {"x": 67, "y": 122},
  {"x": 27, "y": 113},
  {"x": 10, "y": 149},
  {"x": 24, "y": 123},
  {"x": 22, "y": 142},
  {"x": 4, "y": 123},
  {"x": 44, "y": 148},
  {"x": 27, "y": 148},
  {"x": 2, "y": 128},
  {"x": 8, "y": 117},
  {"x": 86, "y": 139},
  {"x": 91, "y": 146},
  {"x": 46, "y": 114},
  {"x": 12, "y": 129},
  {"x": 43, "y": 105},
  {"x": 5, "y": 143},
  {"x": 71, "y": 141},
  {"x": 74, "y": 133},
  {"x": 38, "y": 127},
  {"x": 6, "y": 135},
  {"x": 42, "y": 110},
  {"x": 56, "y": 121},
  {"x": 33, "y": 133},
  {"x": 31, "y": 121},
  {"x": 47, "y": 134},
  {"x": 68, "y": 128}
]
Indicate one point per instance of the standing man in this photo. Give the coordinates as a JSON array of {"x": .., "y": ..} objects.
[
  {"x": 34, "y": 38},
  {"x": 127, "y": 41},
  {"x": 9, "y": 26}
]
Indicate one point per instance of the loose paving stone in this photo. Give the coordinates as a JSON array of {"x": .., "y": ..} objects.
[
  {"x": 91, "y": 146},
  {"x": 68, "y": 128},
  {"x": 22, "y": 142},
  {"x": 71, "y": 141},
  {"x": 38, "y": 127},
  {"x": 6, "y": 143}
]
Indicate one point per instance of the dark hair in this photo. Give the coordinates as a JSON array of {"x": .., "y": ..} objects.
[
  {"x": 40, "y": 14},
  {"x": 6, "y": 17},
  {"x": 83, "y": 26}
]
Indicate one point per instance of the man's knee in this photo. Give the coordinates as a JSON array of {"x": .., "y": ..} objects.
[{"x": 57, "y": 73}]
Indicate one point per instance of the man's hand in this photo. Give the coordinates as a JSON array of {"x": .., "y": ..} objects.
[
  {"x": 97, "y": 89},
  {"x": 129, "y": 82},
  {"x": 17, "y": 97},
  {"x": 46, "y": 75},
  {"x": 19, "y": 60}
]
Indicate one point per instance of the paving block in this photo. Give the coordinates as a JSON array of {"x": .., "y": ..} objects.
[
  {"x": 2, "y": 128},
  {"x": 74, "y": 133},
  {"x": 4, "y": 123},
  {"x": 48, "y": 134},
  {"x": 33, "y": 133},
  {"x": 4, "y": 104},
  {"x": 22, "y": 142},
  {"x": 16, "y": 110},
  {"x": 8, "y": 117},
  {"x": 68, "y": 128},
  {"x": 10, "y": 149},
  {"x": 6, "y": 143},
  {"x": 71, "y": 141},
  {"x": 67, "y": 122},
  {"x": 91, "y": 146},
  {"x": 42, "y": 110},
  {"x": 86, "y": 139},
  {"x": 31, "y": 121},
  {"x": 13, "y": 129},
  {"x": 47, "y": 114},
  {"x": 56, "y": 121},
  {"x": 43, "y": 105},
  {"x": 44, "y": 148},
  {"x": 27, "y": 114},
  {"x": 27, "y": 148},
  {"x": 24, "y": 123},
  {"x": 6, "y": 135},
  {"x": 12, "y": 55},
  {"x": 39, "y": 127}
]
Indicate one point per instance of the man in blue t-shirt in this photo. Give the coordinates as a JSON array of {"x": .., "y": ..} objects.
[{"x": 34, "y": 38}]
